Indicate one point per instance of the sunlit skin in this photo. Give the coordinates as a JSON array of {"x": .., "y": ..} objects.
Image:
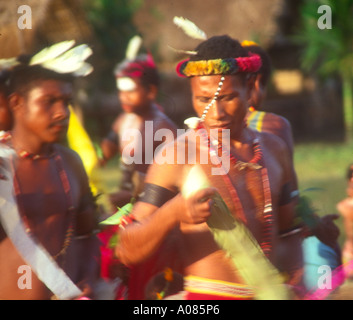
[
  {"x": 345, "y": 208},
  {"x": 42, "y": 116},
  {"x": 229, "y": 109},
  {"x": 139, "y": 106},
  {"x": 41, "y": 119},
  {"x": 271, "y": 122},
  {"x": 326, "y": 230},
  {"x": 187, "y": 217},
  {"x": 5, "y": 114},
  {"x": 139, "y": 99}
]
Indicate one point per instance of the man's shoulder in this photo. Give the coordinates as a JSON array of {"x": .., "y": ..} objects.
[
  {"x": 68, "y": 155},
  {"x": 277, "y": 120},
  {"x": 118, "y": 120},
  {"x": 270, "y": 140},
  {"x": 161, "y": 120}
]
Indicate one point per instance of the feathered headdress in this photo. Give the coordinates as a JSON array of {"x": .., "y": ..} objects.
[
  {"x": 61, "y": 57},
  {"x": 6, "y": 64},
  {"x": 248, "y": 43},
  {"x": 133, "y": 65},
  {"x": 190, "y": 28},
  {"x": 187, "y": 68}
]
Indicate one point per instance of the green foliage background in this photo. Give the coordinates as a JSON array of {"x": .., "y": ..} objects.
[
  {"x": 329, "y": 52},
  {"x": 112, "y": 22}
]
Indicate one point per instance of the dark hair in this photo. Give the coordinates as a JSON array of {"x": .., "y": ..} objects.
[
  {"x": 4, "y": 76},
  {"x": 150, "y": 76},
  {"x": 219, "y": 47},
  {"x": 266, "y": 67},
  {"x": 23, "y": 78},
  {"x": 147, "y": 72}
]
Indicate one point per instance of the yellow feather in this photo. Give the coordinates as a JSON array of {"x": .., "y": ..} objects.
[{"x": 79, "y": 141}]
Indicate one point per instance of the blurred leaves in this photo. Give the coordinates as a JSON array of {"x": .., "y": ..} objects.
[
  {"x": 329, "y": 52},
  {"x": 112, "y": 21}
]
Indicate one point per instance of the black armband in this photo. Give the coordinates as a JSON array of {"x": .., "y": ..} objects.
[
  {"x": 286, "y": 195},
  {"x": 156, "y": 195},
  {"x": 126, "y": 177},
  {"x": 112, "y": 137}
]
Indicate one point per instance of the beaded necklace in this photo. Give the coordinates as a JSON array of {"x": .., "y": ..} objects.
[
  {"x": 65, "y": 184},
  {"x": 257, "y": 162}
]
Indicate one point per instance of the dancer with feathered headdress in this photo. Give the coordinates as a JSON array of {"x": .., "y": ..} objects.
[
  {"x": 47, "y": 211},
  {"x": 137, "y": 81},
  {"x": 225, "y": 210}
]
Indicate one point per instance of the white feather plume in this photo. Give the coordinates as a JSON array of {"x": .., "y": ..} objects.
[
  {"x": 72, "y": 61},
  {"x": 84, "y": 70},
  {"x": 133, "y": 48},
  {"x": 51, "y": 52},
  {"x": 192, "y": 122},
  {"x": 189, "y": 52},
  {"x": 8, "y": 63},
  {"x": 190, "y": 28}
]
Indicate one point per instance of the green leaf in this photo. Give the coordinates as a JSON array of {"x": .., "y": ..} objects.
[
  {"x": 115, "y": 219},
  {"x": 113, "y": 241},
  {"x": 305, "y": 211}
]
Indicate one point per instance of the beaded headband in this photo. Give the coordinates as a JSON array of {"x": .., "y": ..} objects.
[
  {"x": 228, "y": 66},
  {"x": 187, "y": 68}
]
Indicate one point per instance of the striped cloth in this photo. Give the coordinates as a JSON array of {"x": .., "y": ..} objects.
[
  {"x": 255, "y": 120},
  {"x": 210, "y": 289}
]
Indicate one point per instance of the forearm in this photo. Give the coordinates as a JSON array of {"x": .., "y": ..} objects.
[
  {"x": 87, "y": 244},
  {"x": 89, "y": 255},
  {"x": 290, "y": 259},
  {"x": 141, "y": 239},
  {"x": 109, "y": 149}
]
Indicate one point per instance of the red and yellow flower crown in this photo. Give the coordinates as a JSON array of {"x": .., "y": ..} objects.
[{"x": 187, "y": 68}]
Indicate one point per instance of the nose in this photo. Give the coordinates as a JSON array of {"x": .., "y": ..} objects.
[
  {"x": 124, "y": 97},
  {"x": 61, "y": 110},
  {"x": 217, "y": 110}
]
